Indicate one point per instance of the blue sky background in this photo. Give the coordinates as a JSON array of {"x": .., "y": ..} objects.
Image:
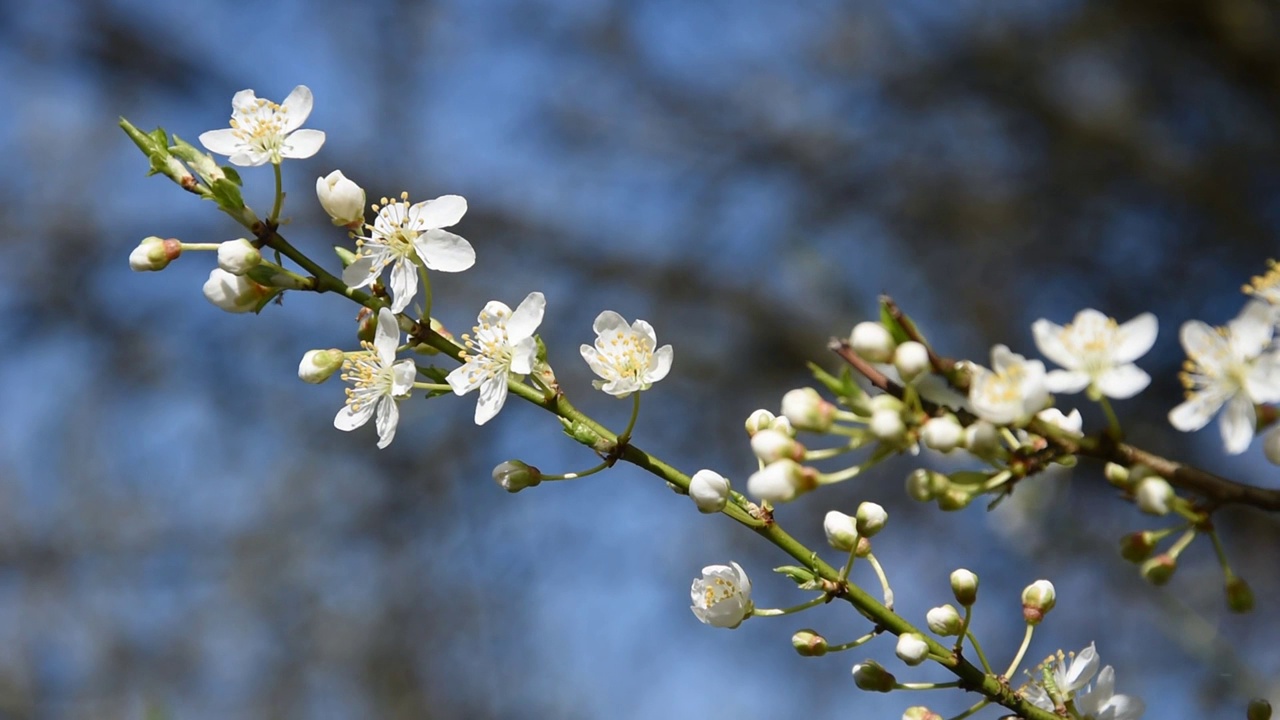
[{"x": 183, "y": 531}]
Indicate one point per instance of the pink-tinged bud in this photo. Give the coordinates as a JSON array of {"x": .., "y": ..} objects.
[
  {"x": 809, "y": 643},
  {"x": 1159, "y": 569},
  {"x": 782, "y": 481},
  {"x": 1239, "y": 595},
  {"x": 964, "y": 585},
  {"x": 806, "y": 410},
  {"x": 154, "y": 254},
  {"x": 871, "y": 676},
  {"x": 1136, "y": 547},
  {"x": 920, "y": 712},
  {"x": 771, "y": 446},
  {"x": 1037, "y": 600}
]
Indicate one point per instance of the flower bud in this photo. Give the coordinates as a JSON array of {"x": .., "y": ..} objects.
[
  {"x": 920, "y": 712},
  {"x": 1137, "y": 546},
  {"x": 870, "y": 519},
  {"x": 1159, "y": 569},
  {"x": 709, "y": 490},
  {"x": 771, "y": 446},
  {"x": 806, "y": 410},
  {"x": 964, "y": 585},
  {"x": 886, "y": 402},
  {"x": 341, "y": 198},
  {"x": 781, "y": 481},
  {"x": 1259, "y": 709},
  {"x": 515, "y": 476},
  {"x": 944, "y": 620},
  {"x": 154, "y": 254},
  {"x": 238, "y": 256},
  {"x": 1239, "y": 595},
  {"x": 783, "y": 425},
  {"x": 1271, "y": 446},
  {"x": 863, "y": 548},
  {"x": 318, "y": 365},
  {"x": 942, "y": 433},
  {"x": 912, "y": 648},
  {"x": 759, "y": 420},
  {"x": 1154, "y": 494},
  {"x": 809, "y": 643},
  {"x": 872, "y": 341},
  {"x": 911, "y": 359},
  {"x": 1117, "y": 475},
  {"x": 982, "y": 439},
  {"x": 872, "y": 677},
  {"x": 841, "y": 530},
  {"x": 1038, "y": 599},
  {"x": 922, "y": 486},
  {"x": 887, "y": 426},
  {"x": 954, "y": 498},
  {"x": 234, "y": 293}
]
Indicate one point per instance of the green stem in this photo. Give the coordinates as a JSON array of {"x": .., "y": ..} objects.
[
  {"x": 279, "y": 204},
  {"x": 848, "y": 565},
  {"x": 794, "y": 609},
  {"x": 1113, "y": 422},
  {"x": 434, "y": 387},
  {"x": 972, "y": 709},
  {"x": 1022, "y": 650},
  {"x": 1220, "y": 551},
  {"x": 973, "y": 640},
  {"x": 625, "y": 437},
  {"x": 853, "y": 643},
  {"x": 926, "y": 686},
  {"x": 884, "y": 580},
  {"x": 426, "y": 292},
  {"x": 199, "y": 246},
  {"x": 576, "y": 475}
]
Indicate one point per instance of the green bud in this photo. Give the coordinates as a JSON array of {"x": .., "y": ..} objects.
[
  {"x": 799, "y": 575},
  {"x": 346, "y": 256},
  {"x": 1137, "y": 546},
  {"x": 1038, "y": 599},
  {"x": 872, "y": 677},
  {"x": 1159, "y": 569},
  {"x": 1239, "y": 595},
  {"x": 954, "y": 499},
  {"x": 514, "y": 476},
  {"x": 964, "y": 585},
  {"x": 809, "y": 643},
  {"x": 1259, "y": 709}
]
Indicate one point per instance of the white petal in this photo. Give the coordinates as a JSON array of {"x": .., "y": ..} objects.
[
  {"x": 1135, "y": 338},
  {"x": 1002, "y": 357},
  {"x": 493, "y": 393},
  {"x": 404, "y": 284},
  {"x": 387, "y": 417},
  {"x": 1125, "y": 707},
  {"x": 1263, "y": 381},
  {"x": 359, "y": 273},
  {"x": 1202, "y": 343},
  {"x": 403, "y": 374},
  {"x": 386, "y": 337},
  {"x": 1237, "y": 424},
  {"x": 1065, "y": 381},
  {"x": 297, "y": 108},
  {"x": 346, "y": 420},
  {"x": 645, "y": 330},
  {"x": 595, "y": 360},
  {"x": 527, "y": 317},
  {"x": 302, "y": 144},
  {"x": 465, "y": 378},
  {"x": 608, "y": 321},
  {"x": 660, "y": 365},
  {"x": 494, "y": 313},
  {"x": 249, "y": 158},
  {"x": 1122, "y": 381},
  {"x": 1197, "y": 410},
  {"x": 442, "y": 250},
  {"x": 1081, "y": 669},
  {"x": 1251, "y": 330},
  {"x": 444, "y": 211},
  {"x": 1048, "y": 338},
  {"x": 522, "y": 356},
  {"x": 220, "y": 142}
]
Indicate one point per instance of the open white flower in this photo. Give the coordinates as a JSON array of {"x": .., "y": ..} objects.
[
  {"x": 263, "y": 132},
  {"x": 1232, "y": 366},
  {"x": 1101, "y": 702},
  {"x": 402, "y": 232},
  {"x": 1097, "y": 353},
  {"x": 1010, "y": 393},
  {"x": 503, "y": 344},
  {"x": 1068, "y": 677},
  {"x": 377, "y": 380},
  {"x": 624, "y": 356},
  {"x": 722, "y": 596}
]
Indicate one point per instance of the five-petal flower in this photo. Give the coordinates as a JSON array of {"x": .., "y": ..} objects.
[
  {"x": 263, "y": 132},
  {"x": 378, "y": 381},
  {"x": 624, "y": 356},
  {"x": 722, "y": 596},
  {"x": 503, "y": 344},
  {"x": 1011, "y": 392},
  {"x": 1097, "y": 353},
  {"x": 403, "y": 232},
  {"x": 1233, "y": 366}
]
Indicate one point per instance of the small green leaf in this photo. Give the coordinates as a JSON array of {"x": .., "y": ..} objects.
[
  {"x": 897, "y": 331},
  {"x": 232, "y": 175},
  {"x": 227, "y": 195}
]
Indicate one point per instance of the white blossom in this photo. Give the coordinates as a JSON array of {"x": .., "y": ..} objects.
[
  {"x": 1233, "y": 366},
  {"x": 503, "y": 344},
  {"x": 1011, "y": 392},
  {"x": 262, "y": 131},
  {"x": 1101, "y": 703},
  {"x": 341, "y": 198},
  {"x": 378, "y": 382},
  {"x": 238, "y": 256},
  {"x": 722, "y": 596},
  {"x": 1097, "y": 353},
  {"x": 624, "y": 356},
  {"x": 709, "y": 491},
  {"x": 235, "y": 293},
  {"x": 405, "y": 234}
]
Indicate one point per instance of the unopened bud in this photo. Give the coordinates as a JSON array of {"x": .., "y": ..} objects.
[
  {"x": 887, "y": 426},
  {"x": 920, "y": 712},
  {"x": 982, "y": 439},
  {"x": 923, "y": 486},
  {"x": 912, "y": 648},
  {"x": 911, "y": 359},
  {"x": 809, "y": 643},
  {"x": 783, "y": 425},
  {"x": 709, "y": 490},
  {"x": 1117, "y": 475},
  {"x": 1038, "y": 599},
  {"x": 871, "y": 518},
  {"x": 515, "y": 476},
  {"x": 341, "y": 198},
  {"x": 366, "y": 324},
  {"x": 840, "y": 530},
  {"x": 944, "y": 620},
  {"x": 872, "y": 341},
  {"x": 1159, "y": 569},
  {"x": 964, "y": 585},
  {"x": 1137, "y": 546},
  {"x": 771, "y": 446},
  {"x": 1239, "y": 595},
  {"x": 1153, "y": 495},
  {"x": 1259, "y": 709},
  {"x": 235, "y": 293},
  {"x": 953, "y": 499},
  {"x": 318, "y": 365},
  {"x": 238, "y": 256},
  {"x": 154, "y": 253},
  {"x": 781, "y": 481},
  {"x": 806, "y": 410},
  {"x": 872, "y": 677},
  {"x": 759, "y": 420},
  {"x": 943, "y": 434},
  {"x": 863, "y": 548}
]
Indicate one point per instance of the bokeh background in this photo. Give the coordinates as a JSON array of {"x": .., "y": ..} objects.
[{"x": 183, "y": 534}]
